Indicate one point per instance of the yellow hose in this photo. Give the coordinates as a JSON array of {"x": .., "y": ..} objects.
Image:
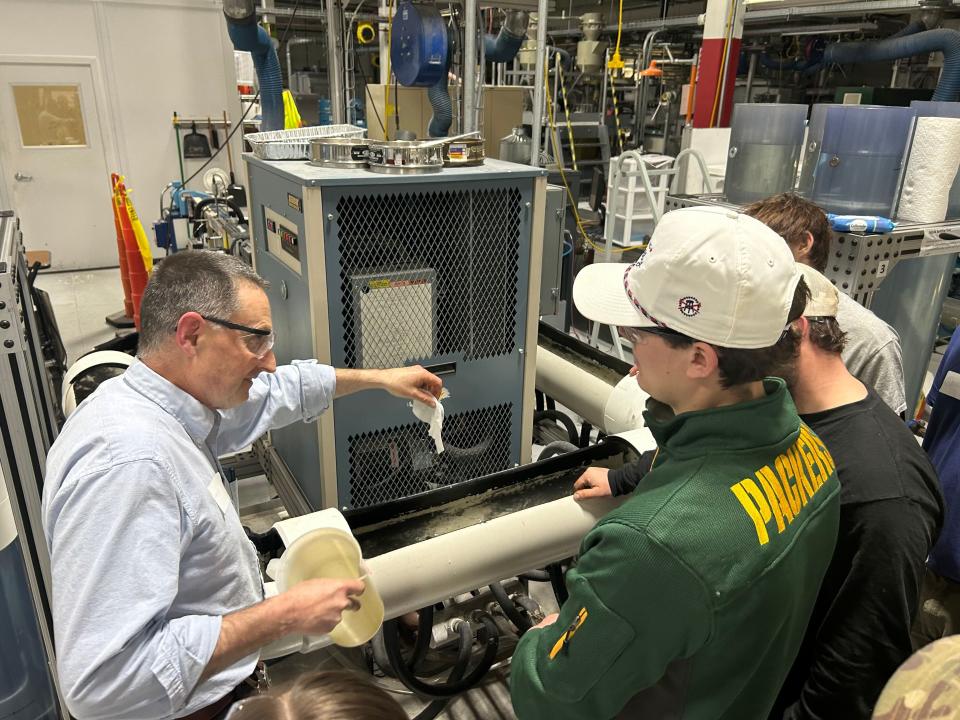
[{"x": 388, "y": 110}]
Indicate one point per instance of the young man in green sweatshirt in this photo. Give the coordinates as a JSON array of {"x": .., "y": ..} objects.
[{"x": 690, "y": 601}]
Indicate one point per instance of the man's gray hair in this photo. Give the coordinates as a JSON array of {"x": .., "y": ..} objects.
[{"x": 200, "y": 281}]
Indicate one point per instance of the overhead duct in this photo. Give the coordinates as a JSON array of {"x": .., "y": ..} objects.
[
  {"x": 246, "y": 35},
  {"x": 502, "y": 47},
  {"x": 421, "y": 39},
  {"x": 421, "y": 52},
  {"x": 505, "y": 45},
  {"x": 905, "y": 46}
]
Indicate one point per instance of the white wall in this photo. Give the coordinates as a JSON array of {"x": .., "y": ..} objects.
[{"x": 154, "y": 57}]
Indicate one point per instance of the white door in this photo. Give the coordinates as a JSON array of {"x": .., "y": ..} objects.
[{"x": 52, "y": 154}]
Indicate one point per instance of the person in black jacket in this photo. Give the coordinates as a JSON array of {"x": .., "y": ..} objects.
[{"x": 891, "y": 511}]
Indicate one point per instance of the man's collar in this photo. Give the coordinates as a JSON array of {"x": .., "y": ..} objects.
[{"x": 197, "y": 419}]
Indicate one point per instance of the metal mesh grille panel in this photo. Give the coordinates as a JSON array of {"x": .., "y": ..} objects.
[
  {"x": 463, "y": 244},
  {"x": 400, "y": 461}
]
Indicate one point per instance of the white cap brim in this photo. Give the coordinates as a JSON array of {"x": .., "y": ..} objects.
[{"x": 599, "y": 295}]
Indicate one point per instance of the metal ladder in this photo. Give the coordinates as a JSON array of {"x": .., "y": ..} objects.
[{"x": 667, "y": 180}]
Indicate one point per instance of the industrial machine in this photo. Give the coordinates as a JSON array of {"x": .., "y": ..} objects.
[
  {"x": 213, "y": 220},
  {"x": 27, "y": 404},
  {"x": 373, "y": 270}
]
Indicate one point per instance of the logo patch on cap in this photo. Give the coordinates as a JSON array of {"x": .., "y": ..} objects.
[{"x": 689, "y": 306}]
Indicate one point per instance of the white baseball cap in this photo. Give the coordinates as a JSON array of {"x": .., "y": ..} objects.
[
  {"x": 824, "y": 299},
  {"x": 710, "y": 273}
]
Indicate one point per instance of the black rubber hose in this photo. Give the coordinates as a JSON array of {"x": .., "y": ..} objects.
[
  {"x": 489, "y": 636},
  {"x": 379, "y": 648},
  {"x": 560, "y": 417},
  {"x": 557, "y": 447},
  {"x": 460, "y": 454},
  {"x": 510, "y": 609},
  {"x": 535, "y": 576},
  {"x": 585, "y": 431},
  {"x": 424, "y": 632},
  {"x": 556, "y": 580},
  {"x": 456, "y": 675}
]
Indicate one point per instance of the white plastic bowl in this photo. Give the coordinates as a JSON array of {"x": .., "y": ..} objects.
[{"x": 333, "y": 553}]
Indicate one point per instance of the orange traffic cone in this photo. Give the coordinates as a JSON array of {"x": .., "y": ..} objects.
[
  {"x": 135, "y": 267},
  {"x": 124, "y": 272}
]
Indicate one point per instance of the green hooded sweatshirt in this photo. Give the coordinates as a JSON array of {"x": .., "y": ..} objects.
[{"x": 689, "y": 601}]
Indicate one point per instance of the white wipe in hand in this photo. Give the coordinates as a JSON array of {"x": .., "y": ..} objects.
[{"x": 433, "y": 416}]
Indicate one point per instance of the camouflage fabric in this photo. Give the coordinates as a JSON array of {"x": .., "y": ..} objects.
[{"x": 926, "y": 686}]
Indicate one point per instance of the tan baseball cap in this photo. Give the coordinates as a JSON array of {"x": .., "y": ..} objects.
[{"x": 710, "y": 273}]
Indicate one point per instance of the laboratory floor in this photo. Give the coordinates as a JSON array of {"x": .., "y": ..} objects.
[{"x": 81, "y": 300}]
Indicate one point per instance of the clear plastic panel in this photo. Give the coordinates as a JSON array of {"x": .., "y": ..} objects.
[
  {"x": 858, "y": 170},
  {"x": 811, "y": 150},
  {"x": 765, "y": 144}
]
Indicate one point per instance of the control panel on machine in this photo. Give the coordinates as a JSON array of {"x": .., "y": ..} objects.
[
  {"x": 288, "y": 238},
  {"x": 283, "y": 239}
]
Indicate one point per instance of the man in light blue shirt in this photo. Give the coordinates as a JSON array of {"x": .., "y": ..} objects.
[{"x": 157, "y": 596}]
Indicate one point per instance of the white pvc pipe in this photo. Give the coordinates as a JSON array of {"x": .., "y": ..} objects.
[
  {"x": 612, "y": 408},
  {"x": 422, "y": 574},
  {"x": 446, "y": 566},
  {"x": 570, "y": 386}
]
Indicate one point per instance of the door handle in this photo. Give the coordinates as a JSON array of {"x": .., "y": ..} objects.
[{"x": 20, "y": 177}]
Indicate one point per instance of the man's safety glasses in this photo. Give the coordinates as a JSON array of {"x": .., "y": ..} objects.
[{"x": 259, "y": 341}]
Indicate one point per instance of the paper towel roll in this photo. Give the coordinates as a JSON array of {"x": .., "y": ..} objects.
[{"x": 931, "y": 168}]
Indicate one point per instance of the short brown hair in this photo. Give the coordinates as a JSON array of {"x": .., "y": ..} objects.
[
  {"x": 738, "y": 367},
  {"x": 327, "y": 695},
  {"x": 792, "y": 217},
  {"x": 826, "y": 334}
]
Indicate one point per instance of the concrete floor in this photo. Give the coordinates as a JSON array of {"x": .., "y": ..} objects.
[{"x": 81, "y": 301}]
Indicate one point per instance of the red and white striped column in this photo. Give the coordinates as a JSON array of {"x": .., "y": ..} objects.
[{"x": 719, "y": 55}]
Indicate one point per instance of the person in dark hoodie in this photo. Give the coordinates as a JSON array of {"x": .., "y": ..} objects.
[{"x": 891, "y": 512}]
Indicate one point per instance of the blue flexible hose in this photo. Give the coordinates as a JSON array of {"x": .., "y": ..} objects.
[
  {"x": 252, "y": 38},
  {"x": 893, "y": 48}
]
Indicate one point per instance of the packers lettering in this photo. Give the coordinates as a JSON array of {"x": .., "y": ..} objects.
[{"x": 778, "y": 492}]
